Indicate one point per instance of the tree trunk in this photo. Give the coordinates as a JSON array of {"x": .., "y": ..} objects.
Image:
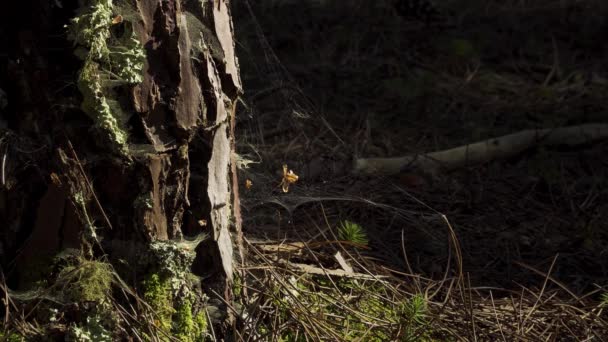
[{"x": 117, "y": 128}]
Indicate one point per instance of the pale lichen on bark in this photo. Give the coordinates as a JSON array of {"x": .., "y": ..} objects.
[{"x": 109, "y": 61}]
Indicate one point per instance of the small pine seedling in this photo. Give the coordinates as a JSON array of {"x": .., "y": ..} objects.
[
  {"x": 415, "y": 309},
  {"x": 604, "y": 299},
  {"x": 352, "y": 232}
]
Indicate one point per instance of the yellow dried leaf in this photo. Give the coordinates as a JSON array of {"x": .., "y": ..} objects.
[{"x": 289, "y": 177}]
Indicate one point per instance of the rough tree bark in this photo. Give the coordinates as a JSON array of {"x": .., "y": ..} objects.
[{"x": 128, "y": 143}]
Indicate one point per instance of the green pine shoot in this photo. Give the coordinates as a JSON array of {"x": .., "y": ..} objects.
[{"x": 352, "y": 232}]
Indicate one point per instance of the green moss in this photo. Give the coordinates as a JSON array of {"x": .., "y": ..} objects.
[
  {"x": 237, "y": 286},
  {"x": 88, "y": 281},
  {"x": 188, "y": 327},
  {"x": 200, "y": 326},
  {"x": 184, "y": 324},
  {"x": 409, "y": 314},
  {"x": 157, "y": 292},
  {"x": 173, "y": 291},
  {"x": 354, "y": 310},
  {"x": 10, "y": 336}
]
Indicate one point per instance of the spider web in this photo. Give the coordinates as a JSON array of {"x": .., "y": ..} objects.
[{"x": 279, "y": 78}]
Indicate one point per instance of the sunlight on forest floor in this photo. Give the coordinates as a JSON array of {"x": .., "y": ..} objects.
[{"x": 509, "y": 249}]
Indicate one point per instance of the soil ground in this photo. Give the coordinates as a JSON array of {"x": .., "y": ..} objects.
[{"x": 329, "y": 81}]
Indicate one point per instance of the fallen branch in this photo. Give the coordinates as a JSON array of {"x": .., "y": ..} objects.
[
  {"x": 310, "y": 269},
  {"x": 484, "y": 151}
]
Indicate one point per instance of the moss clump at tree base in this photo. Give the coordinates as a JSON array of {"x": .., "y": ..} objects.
[{"x": 175, "y": 316}]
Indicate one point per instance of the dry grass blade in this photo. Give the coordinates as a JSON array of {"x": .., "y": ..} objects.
[{"x": 542, "y": 291}]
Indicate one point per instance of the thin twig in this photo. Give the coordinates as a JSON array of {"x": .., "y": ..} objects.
[{"x": 89, "y": 185}]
